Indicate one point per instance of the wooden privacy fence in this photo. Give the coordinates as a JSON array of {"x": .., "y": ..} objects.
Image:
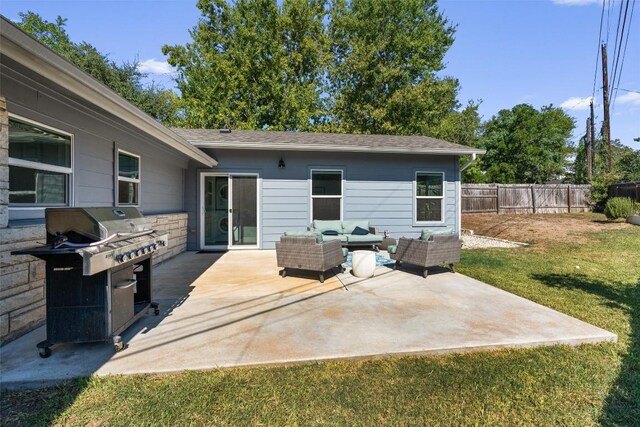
[
  {"x": 626, "y": 189},
  {"x": 525, "y": 198}
]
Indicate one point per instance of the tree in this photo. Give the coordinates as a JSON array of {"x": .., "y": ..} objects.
[
  {"x": 627, "y": 164},
  {"x": 253, "y": 66},
  {"x": 525, "y": 145},
  {"x": 385, "y": 56},
  {"x": 364, "y": 66},
  {"x": 125, "y": 79}
]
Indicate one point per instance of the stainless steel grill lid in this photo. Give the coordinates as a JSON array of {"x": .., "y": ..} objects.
[{"x": 84, "y": 225}]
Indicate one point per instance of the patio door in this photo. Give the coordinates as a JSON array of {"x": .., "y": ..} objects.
[{"x": 229, "y": 211}]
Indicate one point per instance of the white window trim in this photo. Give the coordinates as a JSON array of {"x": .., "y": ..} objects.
[
  {"x": 311, "y": 195},
  {"x": 44, "y": 166},
  {"x": 416, "y": 197},
  {"x": 127, "y": 179}
]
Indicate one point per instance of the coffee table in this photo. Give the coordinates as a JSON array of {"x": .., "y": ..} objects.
[{"x": 363, "y": 263}]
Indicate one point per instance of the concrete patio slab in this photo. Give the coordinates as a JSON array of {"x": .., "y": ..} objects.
[{"x": 232, "y": 309}]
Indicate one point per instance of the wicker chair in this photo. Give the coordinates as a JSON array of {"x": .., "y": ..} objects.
[
  {"x": 304, "y": 253},
  {"x": 438, "y": 250}
]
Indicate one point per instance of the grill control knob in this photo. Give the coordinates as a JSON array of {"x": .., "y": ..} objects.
[
  {"x": 145, "y": 250},
  {"x": 132, "y": 254},
  {"x": 123, "y": 258},
  {"x": 154, "y": 246},
  {"x": 138, "y": 252}
]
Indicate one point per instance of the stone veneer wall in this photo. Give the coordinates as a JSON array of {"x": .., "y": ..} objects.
[
  {"x": 174, "y": 224},
  {"x": 22, "y": 278}
]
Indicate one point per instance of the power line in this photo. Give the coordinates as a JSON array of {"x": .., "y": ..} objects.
[
  {"x": 616, "y": 50},
  {"x": 595, "y": 74},
  {"x": 624, "y": 52},
  {"x": 608, "y": 19}
]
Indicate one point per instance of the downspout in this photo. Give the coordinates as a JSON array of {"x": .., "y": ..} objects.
[{"x": 469, "y": 163}]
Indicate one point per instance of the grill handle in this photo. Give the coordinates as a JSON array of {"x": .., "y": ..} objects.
[
  {"x": 126, "y": 285},
  {"x": 137, "y": 234}
]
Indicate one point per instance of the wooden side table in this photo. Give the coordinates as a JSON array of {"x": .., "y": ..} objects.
[{"x": 386, "y": 242}]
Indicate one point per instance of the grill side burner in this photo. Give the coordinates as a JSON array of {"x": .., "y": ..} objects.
[{"x": 98, "y": 274}]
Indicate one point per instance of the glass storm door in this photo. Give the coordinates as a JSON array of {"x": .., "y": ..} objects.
[{"x": 229, "y": 211}]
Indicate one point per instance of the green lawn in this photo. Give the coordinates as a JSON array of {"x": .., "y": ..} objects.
[{"x": 597, "y": 281}]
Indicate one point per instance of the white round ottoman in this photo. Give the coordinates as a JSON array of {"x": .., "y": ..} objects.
[{"x": 363, "y": 263}]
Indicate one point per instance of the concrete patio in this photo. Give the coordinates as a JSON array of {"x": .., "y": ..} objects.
[{"x": 232, "y": 309}]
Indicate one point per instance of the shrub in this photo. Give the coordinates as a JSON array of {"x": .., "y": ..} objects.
[
  {"x": 600, "y": 190},
  {"x": 619, "y": 207}
]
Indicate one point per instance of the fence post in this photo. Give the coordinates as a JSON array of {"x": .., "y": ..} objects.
[
  {"x": 569, "y": 198},
  {"x": 533, "y": 198},
  {"x": 497, "y": 198}
]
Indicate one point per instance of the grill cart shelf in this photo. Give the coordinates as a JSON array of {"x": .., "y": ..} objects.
[{"x": 95, "y": 292}]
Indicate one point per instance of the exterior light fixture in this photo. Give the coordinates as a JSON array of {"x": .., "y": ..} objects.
[{"x": 281, "y": 164}]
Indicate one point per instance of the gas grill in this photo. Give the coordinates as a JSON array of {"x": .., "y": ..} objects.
[{"x": 98, "y": 274}]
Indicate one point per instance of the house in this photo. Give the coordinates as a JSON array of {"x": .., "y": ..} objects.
[
  {"x": 266, "y": 183},
  {"x": 68, "y": 140}
]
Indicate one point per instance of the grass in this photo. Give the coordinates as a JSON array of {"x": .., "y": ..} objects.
[{"x": 597, "y": 281}]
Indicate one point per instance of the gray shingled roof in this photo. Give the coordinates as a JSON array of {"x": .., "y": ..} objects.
[{"x": 306, "y": 141}]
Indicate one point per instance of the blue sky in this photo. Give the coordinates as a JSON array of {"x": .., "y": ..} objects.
[{"x": 506, "y": 52}]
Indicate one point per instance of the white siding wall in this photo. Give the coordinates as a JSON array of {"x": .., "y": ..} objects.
[{"x": 97, "y": 136}]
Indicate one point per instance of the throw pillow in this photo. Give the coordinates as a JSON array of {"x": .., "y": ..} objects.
[
  {"x": 359, "y": 231},
  {"x": 330, "y": 233}
]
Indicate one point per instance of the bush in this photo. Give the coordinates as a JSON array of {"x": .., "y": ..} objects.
[
  {"x": 600, "y": 190},
  {"x": 619, "y": 207}
]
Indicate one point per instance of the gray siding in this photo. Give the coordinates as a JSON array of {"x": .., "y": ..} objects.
[
  {"x": 96, "y": 136},
  {"x": 376, "y": 187}
]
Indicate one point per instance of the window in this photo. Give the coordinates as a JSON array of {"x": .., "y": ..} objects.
[
  {"x": 326, "y": 194},
  {"x": 128, "y": 178},
  {"x": 429, "y": 196},
  {"x": 39, "y": 165}
]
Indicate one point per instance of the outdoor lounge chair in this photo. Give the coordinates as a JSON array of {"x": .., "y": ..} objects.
[
  {"x": 439, "y": 249},
  {"x": 306, "y": 253}
]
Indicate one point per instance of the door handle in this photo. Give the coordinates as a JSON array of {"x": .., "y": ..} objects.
[{"x": 126, "y": 284}]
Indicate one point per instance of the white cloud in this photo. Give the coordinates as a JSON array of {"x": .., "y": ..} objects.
[
  {"x": 575, "y": 2},
  {"x": 155, "y": 67},
  {"x": 576, "y": 103},
  {"x": 632, "y": 98}
]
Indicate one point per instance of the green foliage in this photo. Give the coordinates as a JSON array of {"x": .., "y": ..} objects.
[
  {"x": 125, "y": 79},
  {"x": 364, "y": 66},
  {"x": 600, "y": 190},
  {"x": 579, "y": 167},
  {"x": 253, "y": 66},
  {"x": 385, "y": 55},
  {"x": 626, "y": 162},
  {"x": 619, "y": 207},
  {"x": 525, "y": 145}
]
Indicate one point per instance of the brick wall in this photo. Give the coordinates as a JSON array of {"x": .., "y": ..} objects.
[{"x": 22, "y": 278}]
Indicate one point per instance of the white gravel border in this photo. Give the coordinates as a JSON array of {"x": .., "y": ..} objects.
[{"x": 475, "y": 242}]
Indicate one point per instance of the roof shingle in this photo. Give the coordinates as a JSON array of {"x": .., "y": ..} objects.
[{"x": 307, "y": 141}]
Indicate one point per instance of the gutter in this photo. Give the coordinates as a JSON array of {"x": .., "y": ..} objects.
[
  {"x": 231, "y": 145},
  {"x": 27, "y": 51}
]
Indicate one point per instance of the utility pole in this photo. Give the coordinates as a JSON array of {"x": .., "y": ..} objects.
[
  {"x": 587, "y": 144},
  {"x": 593, "y": 138},
  {"x": 605, "y": 95}
]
